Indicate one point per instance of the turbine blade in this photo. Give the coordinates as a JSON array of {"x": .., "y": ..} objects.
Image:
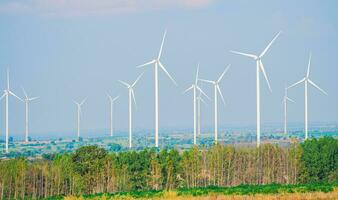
[
  {"x": 220, "y": 93},
  {"x": 308, "y": 66},
  {"x": 190, "y": 88},
  {"x": 202, "y": 100},
  {"x": 244, "y": 54},
  {"x": 207, "y": 81},
  {"x": 24, "y": 92},
  {"x": 2, "y": 96},
  {"x": 33, "y": 98},
  {"x": 124, "y": 83},
  {"x": 138, "y": 78},
  {"x": 197, "y": 72},
  {"x": 160, "y": 53},
  {"x": 269, "y": 45},
  {"x": 7, "y": 79},
  {"x": 11, "y": 93},
  {"x": 78, "y": 105},
  {"x": 224, "y": 72},
  {"x": 83, "y": 101},
  {"x": 132, "y": 94},
  {"x": 202, "y": 92},
  {"x": 145, "y": 64},
  {"x": 264, "y": 73},
  {"x": 163, "y": 68},
  {"x": 287, "y": 98},
  {"x": 293, "y": 85},
  {"x": 316, "y": 86},
  {"x": 116, "y": 98}
]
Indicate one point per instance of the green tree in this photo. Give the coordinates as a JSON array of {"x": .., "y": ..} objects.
[{"x": 320, "y": 160}]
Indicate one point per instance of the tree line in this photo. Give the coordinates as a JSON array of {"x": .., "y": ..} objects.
[{"x": 92, "y": 169}]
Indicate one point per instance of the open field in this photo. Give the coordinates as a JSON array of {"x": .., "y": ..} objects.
[
  {"x": 179, "y": 140},
  {"x": 241, "y": 192}
]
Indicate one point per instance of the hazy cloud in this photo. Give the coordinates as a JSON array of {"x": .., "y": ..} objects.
[{"x": 93, "y": 7}]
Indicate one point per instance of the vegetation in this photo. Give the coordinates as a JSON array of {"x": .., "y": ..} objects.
[{"x": 92, "y": 170}]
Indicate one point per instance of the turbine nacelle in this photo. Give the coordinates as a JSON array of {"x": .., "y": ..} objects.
[
  {"x": 28, "y": 99},
  {"x": 258, "y": 59},
  {"x": 157, "y": 61},
  {"x": 306, "y": 79}
]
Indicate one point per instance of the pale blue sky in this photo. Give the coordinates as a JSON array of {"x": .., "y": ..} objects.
[{"x": 64, "y": 50}]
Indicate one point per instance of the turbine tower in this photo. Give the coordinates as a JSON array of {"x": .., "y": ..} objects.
[
  {"x": 131, "y": 96},
  {"x": 79, "y": 109},
  {"x": 286, "y": 99},
  {"x": 306, "y": 80},
  {"x": 195, "y": 87},
  {"x": 259, "y": 68},
  {"x": 199, "y": 101},
  {"x": 112, "y": 101},
  {"x": 217, "y": 91},
  {"x": 27, "y": 100},
  {"x": 157, "y": 63},
  {"x": 7, "y": 93}
]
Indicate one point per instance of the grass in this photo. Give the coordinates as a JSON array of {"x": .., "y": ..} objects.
[
  {"x": 271, "y": 191},
  {"x": 257, "y": 189}
]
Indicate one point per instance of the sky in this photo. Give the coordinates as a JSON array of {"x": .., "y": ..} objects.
[{"x": 65, "y": 50}]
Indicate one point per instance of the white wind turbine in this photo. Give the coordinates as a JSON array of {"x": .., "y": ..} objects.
[
  {"x": 259, "y": 67},
  {"x": 286, "y": 99},
  {"x": 112, "y": 101},
  {"x": 195, "y": 87},
  {"x": 306, "y": 80},
  {"x": 131, "y": 96},
  {"x": 7, "y": 93},
  {"x": 217, "y": 91},
  {"x": 79, "y": 109},
  {"x": 27, "y": 100},
  {"x": 157, "y": 63}
]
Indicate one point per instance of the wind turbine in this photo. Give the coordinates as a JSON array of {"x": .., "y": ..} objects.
[
  {"x": 217, "y": 91},
  {"x": 286, "y": 99},
  {"x": 27, "y": 100},
  {"x": 131, "y": 96},
  {"x": 259, "y": 67},
  {"x": 157, "y": 63},
  {"x": 306, "y": 80},
  {"x": 79, "y": 116},
  {"x": 112, "y": 100},
  {"x": 195, "y": 87},
  {"x": 7, "y": 93}
]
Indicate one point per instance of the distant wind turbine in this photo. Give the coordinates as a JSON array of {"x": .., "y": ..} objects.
[
  {"x": 7, "y": 93},
  {"x": 131, "y": 96},
  {"x": 79, "y": 110},
  {"x": 259, "y": 67},
  {"x": 285, "y": 102},
  {"x": 306, "y": 80},
  {"x": 27, "y": 100},
  {"x": 157, "y": 63},
  {"x": 112, "y": 101},
  {"x": 195, "y": 87},
  {"x": 217, "y": 91}
]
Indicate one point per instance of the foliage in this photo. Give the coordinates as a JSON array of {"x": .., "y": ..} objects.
[
  {"x": 320, "y": 159},
  {"x": 92, "y": 171}
]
